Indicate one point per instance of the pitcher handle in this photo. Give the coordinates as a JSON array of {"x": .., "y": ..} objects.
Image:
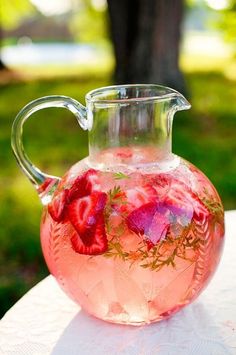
[{"x": 43, "y": 183}]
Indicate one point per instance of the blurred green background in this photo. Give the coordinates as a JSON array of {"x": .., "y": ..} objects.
[{"x": 205, "y": 135}]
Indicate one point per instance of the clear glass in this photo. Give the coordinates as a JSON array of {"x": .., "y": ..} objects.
[
  {"x": 132, "y": 116},
  {"x": 132, "y": 232}
]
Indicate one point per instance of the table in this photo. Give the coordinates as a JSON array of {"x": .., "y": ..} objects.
[{"x": 45, "y": 321}]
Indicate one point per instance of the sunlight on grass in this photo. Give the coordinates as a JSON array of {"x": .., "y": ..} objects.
[
  {"x": 23, "y": 194},
  {"x": 230, "y": 71},
  {"x": 104, "y": 67},
  {"x": 203, "y": 63},
  {"x": 81, "y": 71}
]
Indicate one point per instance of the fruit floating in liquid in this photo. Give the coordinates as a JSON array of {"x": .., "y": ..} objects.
[{"x": 133, "y": 246}]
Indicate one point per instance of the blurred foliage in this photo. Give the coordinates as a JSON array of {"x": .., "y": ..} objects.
[
  {"x": 227, "y": 23},
  {"x": 222, "y": 20},
  {"x": 89, "y": 23},
  {"x": 14, "y": 11}
]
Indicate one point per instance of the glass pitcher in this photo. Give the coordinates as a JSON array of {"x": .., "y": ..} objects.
[{"x": 132, "y": 232}]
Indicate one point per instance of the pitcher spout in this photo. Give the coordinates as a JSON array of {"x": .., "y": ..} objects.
[{"x": 181, "y": 103}]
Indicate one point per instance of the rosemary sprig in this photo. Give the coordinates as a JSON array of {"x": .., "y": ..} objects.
[
  {"x": 112, "y": 193},
  {"x": 213, "y": 206},
  {"x": 120, "y": 176},
  {"x": 115, "y": 250},
  {"x": 115, "y": 198},
  {"x": 162, "y": 254}
]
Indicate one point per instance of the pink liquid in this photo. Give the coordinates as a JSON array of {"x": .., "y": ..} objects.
[{"x": 135, "y": 281}]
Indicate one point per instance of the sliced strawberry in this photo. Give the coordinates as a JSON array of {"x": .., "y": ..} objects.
[
  {"x": 98, "y": 245},
  {"x": 140, "y": 219},
  {"x": 124, "y": 153},
  {"x": 84, "y": 185},
  {"x": 92, "y": 181},
  {"x": 141, "y": 195},
  {"x": 161, "y": 183},
  {"x": 56, "y": 207},
  {"x": 161, "y": 180},
  {"x": 184, "y": 203},
  {"x": 200, "y": 210},
  {"x": 46, "y": 185},
  {"x": 178, "y": 203},
  {"x": 84, "y": 214}
]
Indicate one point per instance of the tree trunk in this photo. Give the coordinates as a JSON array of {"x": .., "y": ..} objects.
[
  {"x": 2, "y": 65},
  {"x": 146, "y": 36}
]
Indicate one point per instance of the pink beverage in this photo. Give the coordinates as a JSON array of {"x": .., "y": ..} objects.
[
  {"x": 133, "y": 232},
  {"x": 133, "y": 243}
]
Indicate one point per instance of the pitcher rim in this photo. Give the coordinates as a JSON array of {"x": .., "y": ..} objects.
[{"x": 92, "y": 96}]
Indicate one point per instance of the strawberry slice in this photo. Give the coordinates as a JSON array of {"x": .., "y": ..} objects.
[
  {"x": 85, "y": 214},
  {"x": 46, "y": 185},
  {"x": 124, "y": 153},
  {"x": 98, "y": 245},
  {"x": 161, "y": 183},
  {"x": 200, "y": 210},
  {"x": 84, "y": 185},
  {"x": 56, "y": 207},
  {"x": 141, "y": 195},
  {"x": 178, "y": 203},
  {"x": 182, "y": 202}
]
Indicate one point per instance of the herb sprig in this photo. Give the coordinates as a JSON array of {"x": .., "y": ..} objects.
[
  {"x": 120, "y": 176},
  {"x": 189, "y": 238}
]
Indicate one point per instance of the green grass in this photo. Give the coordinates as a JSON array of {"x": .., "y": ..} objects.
[{"x": 205, "y": 135}]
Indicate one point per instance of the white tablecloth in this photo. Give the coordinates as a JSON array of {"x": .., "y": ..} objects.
[{"x": 45, "y": 321}]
